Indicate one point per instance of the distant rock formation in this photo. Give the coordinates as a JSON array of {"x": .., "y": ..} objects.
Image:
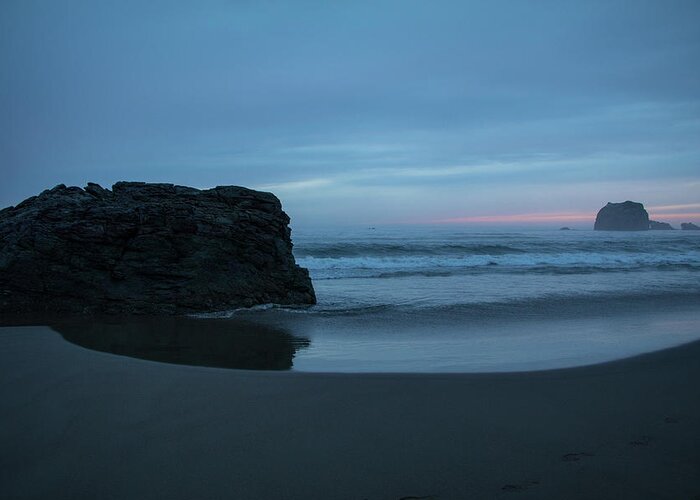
[
  {"x": 626, "y": 216},
  {"x": 147, "y": 248},
  {"x": 689, "y": 226},
  {"x": 564, "y": 228},
  {"x": 660, "y": 226}
]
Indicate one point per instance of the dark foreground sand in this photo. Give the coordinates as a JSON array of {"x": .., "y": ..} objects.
[{"x": 83, "y": 424}]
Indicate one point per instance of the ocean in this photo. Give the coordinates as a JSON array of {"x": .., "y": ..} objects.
[
  {"x": 458, "y": 299},
  {"x": 451, "y": 269}
]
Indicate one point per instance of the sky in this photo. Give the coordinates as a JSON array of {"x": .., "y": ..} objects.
[{"x": 376, "y": 112}]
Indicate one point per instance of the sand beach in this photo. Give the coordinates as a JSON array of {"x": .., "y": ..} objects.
[{"x": 84, "y": 424}]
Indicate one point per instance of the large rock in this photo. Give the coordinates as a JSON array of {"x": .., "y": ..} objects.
[
  {"x": 660, "y": 226},
  {"x": 689, "y": 226},
  {"x": 626, "y": 216},
  {"x": 147, "y": 248}
]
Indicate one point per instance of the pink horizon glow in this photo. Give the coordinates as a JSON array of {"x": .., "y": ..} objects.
[
  {"x": 686, "y": 217},
  {"x": 558, "y": 217}
]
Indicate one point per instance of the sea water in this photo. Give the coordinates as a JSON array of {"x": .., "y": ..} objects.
[
  {"x": 445, "y": 268},
  {"x": 449, "y": 299},
  {"x": 458, "y": 299}
]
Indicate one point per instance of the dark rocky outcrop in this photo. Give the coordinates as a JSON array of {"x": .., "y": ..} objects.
[
  {"x": 626, "y": 216},
  {"x": 147, "y": 248},
  {"x": 564, "y": 228},
  {"x": 660, "y": 226},
  {"x": 689, "y": 226}
]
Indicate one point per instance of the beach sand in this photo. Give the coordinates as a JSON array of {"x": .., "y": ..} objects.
[{"x": 84, "y": 424}]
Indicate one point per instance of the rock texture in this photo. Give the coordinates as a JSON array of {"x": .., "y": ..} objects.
[
  {"x": 660, "y": 226},
  {"x": 147, "y": 248},
  {"x": 626, "y": 216},
  {"x": 689, "y": 226}
]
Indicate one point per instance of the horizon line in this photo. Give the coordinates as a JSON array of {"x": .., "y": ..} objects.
[{"x": 540, "y": 217}]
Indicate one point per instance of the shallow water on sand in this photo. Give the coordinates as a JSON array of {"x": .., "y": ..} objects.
[{"x": 278, "y": 339}]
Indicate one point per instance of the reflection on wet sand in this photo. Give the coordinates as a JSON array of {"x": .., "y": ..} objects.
[{"x": 221, "y": 343}]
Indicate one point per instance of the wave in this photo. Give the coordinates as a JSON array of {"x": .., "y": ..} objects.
[
  {"x": 547, "y": 306},
  {"x": 516, "y": 245},
  {"x": 361, "y": 250},
  {"x": 535, "y": 270},
  {"x": 229, "y": 313},
  {"x": 545, "y": 270},
  {"x": 437, "y": 263}
]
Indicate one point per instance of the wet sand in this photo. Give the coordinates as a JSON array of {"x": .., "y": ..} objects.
[{"x": 83, "y": 424}]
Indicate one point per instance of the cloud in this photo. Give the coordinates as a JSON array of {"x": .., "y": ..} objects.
[
  {"x": 680, "y": 217},
  {"x": 432, "y": 110},
  {"x": 304, "y": 185},
  {"x": 523, "y": 218},
  {"x": 673, "y": 208}
]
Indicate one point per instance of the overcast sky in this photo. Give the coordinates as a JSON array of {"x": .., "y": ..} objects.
[{"x": 361, "y": 112}]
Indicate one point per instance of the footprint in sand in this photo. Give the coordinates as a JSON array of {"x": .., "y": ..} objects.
[
  {"x": 520, "y": 486},
  {"x": 575, "y": 457},
  {"x": 640, "y": 441}
]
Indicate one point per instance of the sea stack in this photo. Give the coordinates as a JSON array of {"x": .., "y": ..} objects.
[
  {"x": 660, "y": 226},
  {"x": 147, "y": 249},
  {"x": 626, "y": 216},
  {"x": 689, "y": 226}
]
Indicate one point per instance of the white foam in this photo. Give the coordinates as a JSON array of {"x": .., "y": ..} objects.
[{"x": 572, "y": 259}]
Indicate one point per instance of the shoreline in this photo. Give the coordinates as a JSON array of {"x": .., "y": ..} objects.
[
  {"x": 78, "y": 423},
  {"x": 657, "y": 355},
  {"x": 389, "y": 341}
]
